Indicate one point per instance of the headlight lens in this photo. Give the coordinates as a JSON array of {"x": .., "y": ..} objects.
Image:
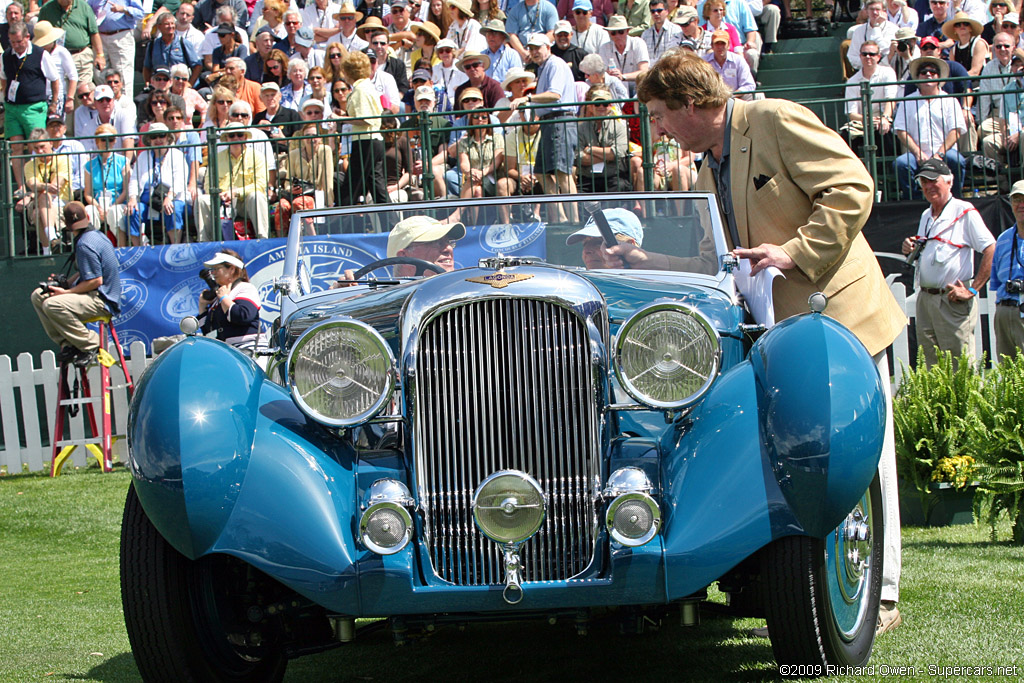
[
  {"x": 341, "y": 372},
  {"x": 386, "y": 526},
  {"x": 667, "y": 354},
  {"x": 508, "y": 506}
]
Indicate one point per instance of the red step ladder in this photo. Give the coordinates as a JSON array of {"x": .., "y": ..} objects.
[{"x": 100, "y": 443}]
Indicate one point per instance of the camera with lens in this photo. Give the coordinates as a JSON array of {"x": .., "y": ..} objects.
[
  {"x": 915, "y": 253},
  {"x": 60, "y": 280},
  {"x": 1015, "y": 286},
  {"x": 904, "y": 45},
  {"x": 210, "y": 293}
]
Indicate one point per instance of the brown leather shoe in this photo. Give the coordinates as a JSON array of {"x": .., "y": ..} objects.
[{"x": 889, "y": 617}]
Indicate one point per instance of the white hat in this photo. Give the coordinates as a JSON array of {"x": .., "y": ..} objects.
[
  {"x": 421, "y": 229},
  {"x": 563, "y": 26},
  {"x": 515, "y": 73},
  {"x": 425, "y": 92},
  {"x": 222, "y": 258},
  {"x": 313, "y": 102},
  {"x": 539, "y": 39},
  {"x": 446, "y": 42},
  {"x": 236, "y": 124},
  {"x": 103, "y": 92}
]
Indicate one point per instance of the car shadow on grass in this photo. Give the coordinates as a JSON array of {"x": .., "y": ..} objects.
[
  {"x": 114, "y": 670},
  {"x": 719, "y": 649}
]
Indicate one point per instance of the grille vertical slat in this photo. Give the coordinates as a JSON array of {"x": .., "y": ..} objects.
[{"x": 506, "y": 384}]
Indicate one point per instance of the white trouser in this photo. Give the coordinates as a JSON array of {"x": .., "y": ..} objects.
[
  {"x": 253, "y": 206},
  {"x": 119, "y": 49},
  {"x": 115, "y": 219},
  {"x": 893, "y": 562}
]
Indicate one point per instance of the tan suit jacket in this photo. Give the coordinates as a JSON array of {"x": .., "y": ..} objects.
[{"x": 815, "y": 201}]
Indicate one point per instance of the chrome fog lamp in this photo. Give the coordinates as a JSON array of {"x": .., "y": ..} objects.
[
  {"x": 667, "y": 355},
  {"x": 341, "y": 372},
  {"x": 633, "y": 516},
  {"x": 508, "y": 506},
  {"x": 386, "y": 526}
]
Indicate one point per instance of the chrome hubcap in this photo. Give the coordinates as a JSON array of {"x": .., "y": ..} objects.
[{"x": 849, "y": 567}]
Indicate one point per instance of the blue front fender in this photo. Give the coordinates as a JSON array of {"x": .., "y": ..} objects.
[
  {"x": 785, "y": 443},
  {"x": 224, "y": 461}
]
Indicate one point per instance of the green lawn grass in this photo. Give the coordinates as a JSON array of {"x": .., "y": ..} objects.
[{"x": 60, "y": 612}]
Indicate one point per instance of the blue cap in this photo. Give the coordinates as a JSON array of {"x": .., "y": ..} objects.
[
  {"x": 304, "y": 37},
  {"x": 621, "y": 221},
  {"x": 583, "y": 4}
]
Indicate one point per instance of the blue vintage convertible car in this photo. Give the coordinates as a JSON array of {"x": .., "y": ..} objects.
[{"x": 501, "y": 431}]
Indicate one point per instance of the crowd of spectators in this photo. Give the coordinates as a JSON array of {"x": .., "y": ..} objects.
[{"x": 971, "y": 121}]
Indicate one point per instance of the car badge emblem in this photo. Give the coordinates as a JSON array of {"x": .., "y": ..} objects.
[{"x": 499, "y": 280}]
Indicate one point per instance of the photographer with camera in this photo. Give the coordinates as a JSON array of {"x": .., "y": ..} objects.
[
  {"x": 1007, "y": 280},
  {"x": 230, "y": 308},
  {"x": 63, "y": 303},
  {"x": 947, "y": 288},
  {"x": 903, "y": 51}
]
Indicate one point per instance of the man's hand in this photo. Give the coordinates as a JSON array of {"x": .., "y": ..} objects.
[
  {"x": 225, "y": 197},
  {"x": 958, "y": 292},
  {"x": 1012, "y": 141},
  {"x": 346, "y": 280},
  {"x": 57, "y": 291},
  {"x": 168, "y": 204},
  {"x": 764, "y": 256},
  {"x": 908, "y": 245}
]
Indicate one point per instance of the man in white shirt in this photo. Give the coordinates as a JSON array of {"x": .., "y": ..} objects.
[
  {"x": 586, "y": 34},
  {"x": 928, "y": 126},
  {"x": 949, "y": 232},
  {"x": 503, "y": 57},
  {"x": 877, "y": 28},
  {"x": 998, "y": 111},
  {"x": 211, "y": 41},
  {"x": 319, "y": 16},
  {"x": 183, "y": 27},
  {"x": 884, "y": 87},
  {"x": 347, "y": 18},
  {"x": 108, "y": 112},
  {"x": 384, "y": 83},
  {"x": 625, "y": 56},
  {"x": 662, "y": 35}
]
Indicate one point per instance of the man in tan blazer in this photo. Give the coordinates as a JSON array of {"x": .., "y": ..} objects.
[{"x": 794, "y": 196}]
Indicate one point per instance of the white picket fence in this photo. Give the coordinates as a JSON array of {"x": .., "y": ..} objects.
[{"x": 28, "y": 393}]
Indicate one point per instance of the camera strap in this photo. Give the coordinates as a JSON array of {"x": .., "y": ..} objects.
[{"x": 938, "y": 237}]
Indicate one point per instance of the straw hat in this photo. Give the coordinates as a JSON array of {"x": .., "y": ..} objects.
[
  {"x": 473, "y": 57},
  {"x": 347, "y": 9},
  {"x": 617, "y": 22},
  {"x": 465, "y": 6},
  {"x": 369, "y": 24},
  {"x": 427, "y": 28},
  {"x": 471, "y": 92},
  {"x": 226, "y": 130},
  {"x": 961, "y": 18},
  {"x": 515, "y": 73},
  {"x": 46, "y": 33},
  {"x": 940, "y": 64}
]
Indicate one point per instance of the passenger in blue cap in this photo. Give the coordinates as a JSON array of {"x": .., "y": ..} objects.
[{"x": 625, "y": 226}]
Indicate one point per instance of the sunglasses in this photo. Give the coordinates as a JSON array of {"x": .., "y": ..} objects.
[
  {"x": 377, "y": 43},
  {"x": 161, "y": 78},
  {"x": 335, "y": 55},
  {"x": 657, "y": 11},
  {"x": 316, "y": 78},
  {"x": 85, "y": 96},
  {"x": 1002, "y": 47},
  {"x": 397, "y": 10},
  {"x": 471, "y": 99},
  {"x": 348, "y": 18},
  {"x": 225, "y": 101},
  {"x": 180, "y": 78},
  {"x": 962, "y": 24},
  {"x": 444, "y": 50},
  {"x": 615, "y": 33},
  {"x": 474, "y": 65},
  {"x": 292, "y": 23},
  {"x": 927, "y": 72},
  {"x": 868, "y": 54},
  {"x": 158, "y": 136},
  {"x": 162, "y": 103},
  {"x": 601, "y": 104},
  {"x": 238, "y": 115},
  {"x": 584, "y": 11},
  {"x": 235, "y": 136},
  {"x": 274, "y": 67}
]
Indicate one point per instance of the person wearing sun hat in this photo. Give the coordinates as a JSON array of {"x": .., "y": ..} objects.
[
  {"x": 242, "y": 184},
  {"x": 928, "y": 127},
  {"x": 348, "y": 28},
  {"x": 969, "y": 49},
  {"x": 625, "y": 55},
  {"x": 46, "y": 36},
  {"x": 527, "y": 18},
  {"x": 427, "y": 36},
  {"x": 730, "y": 66},
  {"x": 446, "y": 75},
  {"x": 474, "y": 65},
  {"x": 502, "y": 56},
  {"x": 464, "y": 29},
  {"x": 564, "y": 48},
  {"x": 232, "y": 312}
]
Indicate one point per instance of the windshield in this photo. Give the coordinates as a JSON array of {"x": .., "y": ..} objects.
[{"x": 679, "y": 232}]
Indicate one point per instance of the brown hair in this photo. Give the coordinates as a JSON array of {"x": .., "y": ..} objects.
[
  {"x": 356, "y": 66},
  {"x": 242, "y": 274},
  {"x": 680, "y": 78}
]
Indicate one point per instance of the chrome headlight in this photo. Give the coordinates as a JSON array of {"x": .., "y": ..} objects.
[
  {"x": 508, "y": 506},
  {"x": 341, "y": 372},
  {"x": 633, "y": 516},
  {"x": 386, "y": 526},
  {"x": 667, "y": 355}
]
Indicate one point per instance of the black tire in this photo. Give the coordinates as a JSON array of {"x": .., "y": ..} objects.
[
  {"x": 175, "y": 611},
  {"x": 821, "y": 611}
]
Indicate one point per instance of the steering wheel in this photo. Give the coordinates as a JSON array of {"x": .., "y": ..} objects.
[{"x": 421, "y": 266}]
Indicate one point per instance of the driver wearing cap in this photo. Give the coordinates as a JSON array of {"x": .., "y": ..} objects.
[
  {"x": 422, "y": 238},
  {"x": 625, "y": 226}
]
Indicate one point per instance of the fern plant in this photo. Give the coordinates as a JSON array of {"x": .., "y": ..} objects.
[
  {"x": 997, "y": 437},
  {"x": 935, "y": 418}
]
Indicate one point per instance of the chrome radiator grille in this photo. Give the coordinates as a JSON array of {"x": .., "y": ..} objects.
[{"x": 506, "y": 384}]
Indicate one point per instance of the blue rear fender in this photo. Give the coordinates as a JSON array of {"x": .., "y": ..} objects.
[{"x": 785, "y": 443}]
